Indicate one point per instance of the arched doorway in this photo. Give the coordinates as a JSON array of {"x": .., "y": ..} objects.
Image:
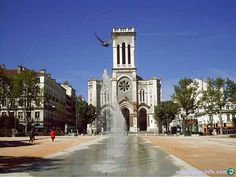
[
  {"x": 142, "y": 119},
  {"x": 126, "y": 114}
]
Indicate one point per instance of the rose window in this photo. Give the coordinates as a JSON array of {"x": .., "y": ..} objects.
[{"x": 124, "y": 85}]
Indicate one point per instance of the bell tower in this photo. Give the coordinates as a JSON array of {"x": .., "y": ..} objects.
[
  {"x": 124, "y": 76},
  {"x": 123, "y": 48}
]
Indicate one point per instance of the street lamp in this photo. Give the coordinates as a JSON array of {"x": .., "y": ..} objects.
[
  {"x": 52, "y": 109},
  {"x": 76, "y": 122}
]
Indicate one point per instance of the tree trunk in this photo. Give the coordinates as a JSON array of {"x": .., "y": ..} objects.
[
  {"x": 183, "y": 126},
  {"x": 167, "y": 131},
  {"x": 221, "y": 123}
]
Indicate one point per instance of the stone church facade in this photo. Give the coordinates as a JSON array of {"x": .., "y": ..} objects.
[{"x": 136, "y": 97}]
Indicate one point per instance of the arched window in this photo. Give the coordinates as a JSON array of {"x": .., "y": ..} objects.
[
  {"x": 118, "y": 54},
  {"x": 123, "y": 53},
  {"x": 129, "y": 55},
  {"x": 142, "y": 95}
]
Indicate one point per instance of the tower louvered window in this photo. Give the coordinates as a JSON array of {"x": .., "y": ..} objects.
[
  {"x": 129, "y": 55},
  {"x": 118, "y": 54},
  {"x": 123, "y": 53}
]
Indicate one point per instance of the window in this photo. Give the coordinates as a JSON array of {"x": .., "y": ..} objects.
[
  {"x": 124, "y": 85},
  {"x": 37, "y": 102},
  {"x": 227, "y": 107},
  {"x": 142, "y": 95},
  {"x": 118, "y": 54},
  {"x": 123, "y": 53},
  {"x": 20, "y": 115},
  {"x": 4, "y": 102},
  {"x": 21, "y": 102},
  {"x": 28, "y": 103},
  {"x": 11, "y": 114},
  {"x": 28, "y": 114},
  {"x": 129, "y": 55},
  {"x": 4, "y": 114},
  {"x": 90, "y": 95},
  {"x": 228, "y": 117},
  {"x": 12, "y": 103},
  {"x": 37, "y": 115}
]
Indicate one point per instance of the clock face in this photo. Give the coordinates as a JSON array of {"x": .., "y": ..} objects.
[{"x": 124, "y": 85}]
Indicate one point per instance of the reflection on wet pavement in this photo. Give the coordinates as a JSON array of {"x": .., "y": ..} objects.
[{"x": 129, "y": 156}]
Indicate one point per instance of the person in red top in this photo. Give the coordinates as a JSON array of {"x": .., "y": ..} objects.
[{"x": 53, "y": 134}]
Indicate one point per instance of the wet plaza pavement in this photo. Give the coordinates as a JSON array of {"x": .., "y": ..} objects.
[
  {"x": 119, "y": 156},
  {"x": 128, "y": 156}
]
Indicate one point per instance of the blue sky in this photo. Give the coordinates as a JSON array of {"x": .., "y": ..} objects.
[{"x": 175, "y": 38}]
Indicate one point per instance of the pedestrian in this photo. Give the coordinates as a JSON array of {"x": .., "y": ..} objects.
[
  {"x": 53, "y": 134},
  {"x": 31, "y": 136}
]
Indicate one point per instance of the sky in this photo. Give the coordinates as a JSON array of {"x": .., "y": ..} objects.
[{"x": 175, "y": 38}]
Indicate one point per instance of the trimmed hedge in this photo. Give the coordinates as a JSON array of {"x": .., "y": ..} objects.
[
  {"x": 232, "y": 136},
  {"x": 5, "y": 132}
]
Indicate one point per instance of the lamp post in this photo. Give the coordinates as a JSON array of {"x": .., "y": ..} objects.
[
  {"x": 52, "y": 110},
  {"x": 76, "y": 122}
]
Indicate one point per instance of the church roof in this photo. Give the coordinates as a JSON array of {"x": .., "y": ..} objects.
[{"x": 138, "y": 77}]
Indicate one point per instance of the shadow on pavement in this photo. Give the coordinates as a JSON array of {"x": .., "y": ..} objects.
[
  {"x": 9, "y": 164},
  {"x": 4, "y": 144}
]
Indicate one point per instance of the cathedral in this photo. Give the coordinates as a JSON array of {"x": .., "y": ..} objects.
[{"x": 136, "y": 97}]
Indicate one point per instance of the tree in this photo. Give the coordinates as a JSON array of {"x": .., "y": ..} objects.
[
  {"x": 27, "y": 87},
  {"x": 8, "y": 94},
  {"x": 6, "y": 88},
  {"x": 185, "y": 95},
  {"x": 208, "y": 100},
  {"x": 219, "y": 93},
  {"x": 60, "y": 115},
  {"x": 165, "y": 112},
  {"x": 223, "y": 93},
  {"x": 231, "y": 91},
  {"x": 85, "y": 114}
]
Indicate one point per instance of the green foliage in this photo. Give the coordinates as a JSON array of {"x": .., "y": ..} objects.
[
  {"x": 208, "y": 99},
  {"x": 231, "y": 91},
  {"x": 165, "y": 112},
  {"x": 59, "y": 132},
  {"x": 4, "y": 132},
  {"x": 8, "y": 89},
  {"x": 85, "y": 114},
  {"x": 232, "y": 136},
  {"x": 27, "y": 86},
  {"x": 7, "y": 122},
  {"x": 60, "y": 113},
  {"x": 22, "y": 87},
  {"x": 186, "y": 92},
  {"x": 219, "y": 93},
  {"x": 234, "y": 123}
]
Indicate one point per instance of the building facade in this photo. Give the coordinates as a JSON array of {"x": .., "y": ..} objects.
[
  {"x": 210, "y": 124},
  {"x": 200, "y": 122},
  {"x": 50, "y": 107},
  {"x": 136, "y": 96}
]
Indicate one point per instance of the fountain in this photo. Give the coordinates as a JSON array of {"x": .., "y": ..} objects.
[
  {"x": 115, "y": 127},
  {"x": 115, "y": 122}
]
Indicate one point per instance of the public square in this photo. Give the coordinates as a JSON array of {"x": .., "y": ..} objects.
[
  {"x": 135, "y": 155},
  {"x": 125, "y": 88}
]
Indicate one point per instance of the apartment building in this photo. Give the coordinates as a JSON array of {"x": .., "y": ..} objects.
[{"x": 49, "y": 109}]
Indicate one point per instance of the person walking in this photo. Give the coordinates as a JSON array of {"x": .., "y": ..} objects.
[
  {"x": 31, "y": 136},
  {"x": 52, "y": 134}
]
